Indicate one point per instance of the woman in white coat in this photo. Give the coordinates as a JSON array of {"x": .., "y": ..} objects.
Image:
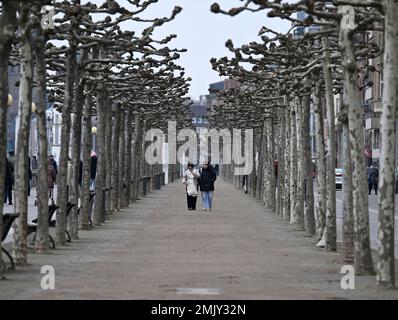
[{"x": 190, "y": 181}]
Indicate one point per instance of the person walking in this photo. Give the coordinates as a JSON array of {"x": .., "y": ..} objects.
[
  {"x": 190, "y": 180},
  {"x": 51, "y": 176},
  {"x": 8, "y": 182},
  {"x": 54, "y": 164},
  {"x": 373, "y": 178},
  {"x": 207, "y": 178}
]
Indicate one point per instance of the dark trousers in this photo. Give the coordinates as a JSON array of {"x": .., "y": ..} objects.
[
  {"x": 191, "y": 202},
  {"x": 8, "y": 193},
  {"x": 371, "y": 185}
]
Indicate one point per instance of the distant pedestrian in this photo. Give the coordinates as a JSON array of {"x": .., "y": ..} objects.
[
  {"x": 373, "y": 178},
  {"x": 54, "y": 164},
  {"x": 93, "y": 172},
  {"x": 51, "y": 176},
  {"x": 8, "y": 182},
  {"x": 207, "y": 178},
  {"x": 190, "y": 180}
]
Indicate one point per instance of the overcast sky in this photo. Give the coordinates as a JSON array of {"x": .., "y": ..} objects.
[{"x": 204, "y": 34}]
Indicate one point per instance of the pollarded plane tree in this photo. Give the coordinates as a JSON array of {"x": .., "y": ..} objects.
[
  {"x": 280, "y": 72},
  {"x": 95, "y": 50},
  {"x": 352, "y": 20}
]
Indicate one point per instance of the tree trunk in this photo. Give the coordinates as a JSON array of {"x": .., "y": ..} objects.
[
  {"x": 101, "y": 160},
  {"x": 363, "y": 258},
  {"x": 42, "y": 239},
  {"x": 265, "y": 166},
  {"x": 271, "y": 167},
  {"x": 128, "y": 157},
  {"x": 299, "y": 214},
  {"x": 76, "y": 146},
  {"x": 87, "y": 141},
  {"x": 321, "y": 163},
  {"x": 293, "y": 165},
  {"x": 331, "y": 230},
  {"x": 135, "y": 160},
  {"x": 386, "y": 262},
  {"x": 22, "y": 150},
  {"x": 259, "y": 168},
  {"x": 7, "y": 30},
  {"x": 307, "y": 173},
  {"x": 281, "y": 162},
  {"x": 122, "y": 147},
  {"x": 115, "y": 160},
  {"x": 64, "y": 152},
  {"x": 108, "y": 155},
  {"x": 286, "y": 195},
  {"x": 348, "y": 222}
]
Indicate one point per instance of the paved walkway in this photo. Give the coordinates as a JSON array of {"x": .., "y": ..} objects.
[{"x": 156, "y": 249}]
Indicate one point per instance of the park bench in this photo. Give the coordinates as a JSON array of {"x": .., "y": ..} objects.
[
  {"x": 32, "y": 227},
  {"x": 53, "y": 223},
  {"x": 8, "y": 219},
  {"x": 91, "y": 201}
]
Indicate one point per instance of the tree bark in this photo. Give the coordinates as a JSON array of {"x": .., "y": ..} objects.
[
  {"x": 286, "y": 195},
  {"x": 293, "y": 165},
  {"x": 8, "y": 25},
  {"x": 348, "y": 222},
  {"x": 101, "y": 160},
  {"x": 281, "y": 162},
  {"x": 122, "y": 147},
  {"x": 321, "y": 163},
  {"x": 62, "y": 198},
  {"x": 42, "y": 238},
  {"x": 260, "y": 161},
  {"x": 115, "y": 160},
  {"x": 307, "y": 168},
  {"x": 363, "y": 258},
  {"x": 87, "y": 141},
  {"x": 76, "y": 146},
  {"x": 386, "y": 263},
  {"x": 22, "y": 150},
  {"x": 331, "y": 230},
  {"x": 299, "y": 214},
  {"x": 108, "y": 155},
  {"x": 128, "y": 157}
]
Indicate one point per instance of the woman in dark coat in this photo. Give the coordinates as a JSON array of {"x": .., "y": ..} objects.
[{"x": 206, "y": 182}]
